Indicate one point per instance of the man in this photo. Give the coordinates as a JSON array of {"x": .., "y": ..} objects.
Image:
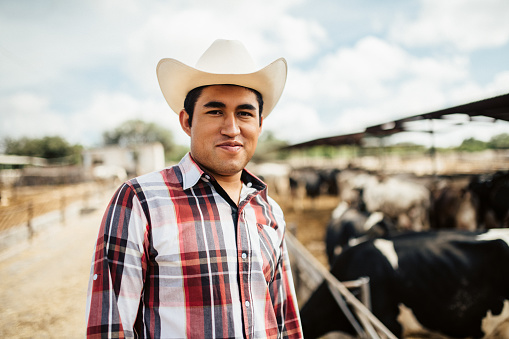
[{"x": 197, "y": 250}]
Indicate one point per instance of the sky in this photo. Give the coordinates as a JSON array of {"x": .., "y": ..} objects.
[{"x": 78, "y": 68}]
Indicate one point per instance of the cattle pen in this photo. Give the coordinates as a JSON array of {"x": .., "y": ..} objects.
[{"x": 308, "y": 270}]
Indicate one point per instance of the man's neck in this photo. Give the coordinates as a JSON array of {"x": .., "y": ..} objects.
[{"x": 231, "y": 185}]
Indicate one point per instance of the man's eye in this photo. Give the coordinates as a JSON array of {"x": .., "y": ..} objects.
[
  {"x": 215, "y": 112},
  {"x": 246, "y": 114}
]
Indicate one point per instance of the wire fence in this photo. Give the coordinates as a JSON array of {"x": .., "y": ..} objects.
[{"x": 26, "y": 207}]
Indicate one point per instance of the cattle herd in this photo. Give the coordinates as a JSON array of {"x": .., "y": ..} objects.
[{"x": 436, "y": 250}]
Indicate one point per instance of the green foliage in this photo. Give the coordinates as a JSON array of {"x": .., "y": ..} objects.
[
  {"x": 133, "y": 132},
  {"x": 472, "y": 145},
  {"x": 407, "y": 147},
  {"x": 269, "y": 148},
  {"x": 500, "y": 141},
  {"x": 177, "y": 153},
  {"x": 49, "y": 147}
]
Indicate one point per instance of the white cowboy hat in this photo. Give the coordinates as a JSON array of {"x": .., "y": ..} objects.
[{"x": 224, "y": 62}]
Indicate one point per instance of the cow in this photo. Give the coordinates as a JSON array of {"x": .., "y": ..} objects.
[
  {"x": 329, "y": 178},
  {"x": 403, "y": 200},
  {"x": 491, "y": 199},
  {"x": 315, "y": 181},
  {"x": 351, "y": 224},
  {"x": 451, "y": 281},
  {"x": 275, "y": 175},
  {"x": 351, "y": 181},
  {"x": 452, "y": 207},
  {"x": 312, "y": 183}
]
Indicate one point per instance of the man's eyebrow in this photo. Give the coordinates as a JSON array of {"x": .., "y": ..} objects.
[
  {"x": 247, "y": 106},
  {"x": 219, "y": 104},
  {"x": 214, "y": 104}
]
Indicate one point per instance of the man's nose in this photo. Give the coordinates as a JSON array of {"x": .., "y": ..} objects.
[{"x": 230, "y": 125}]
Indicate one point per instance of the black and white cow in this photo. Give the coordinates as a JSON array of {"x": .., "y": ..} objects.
[
  {"x": 404, "y": 200},
  {"x": 490, "y": 194},
  {"x": 352, "y": 224},
  {"x": 452, "y": 207},
  {"x": 450, "y": 280}
]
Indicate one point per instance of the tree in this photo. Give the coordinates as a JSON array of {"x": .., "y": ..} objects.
[
  {"x": 499, "y": 141},
  {"x": 269, "y": 148},
  {"x": 49, "y": 147},
  {"x": 472, "y": 145},
  {"x": 134, "y": 132}
]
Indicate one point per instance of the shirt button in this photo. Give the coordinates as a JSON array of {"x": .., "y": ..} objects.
[
  {"x": 247, "y": 303},
  {"x": 249, "y": 184},
  {"x": 95, "y": 277},
  {"x": 207, "y": 176},
  {"x": 244, "y": 255}
]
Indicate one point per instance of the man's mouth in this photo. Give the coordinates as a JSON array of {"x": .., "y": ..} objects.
[{"x": 230, "y": 146}]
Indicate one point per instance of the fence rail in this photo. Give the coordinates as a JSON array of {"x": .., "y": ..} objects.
[
  {"x": 26, "y": 206},
  {"x": 315, "y": 273}
]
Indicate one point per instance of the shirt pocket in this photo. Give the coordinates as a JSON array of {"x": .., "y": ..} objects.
[{"x": 270, "y": 249}]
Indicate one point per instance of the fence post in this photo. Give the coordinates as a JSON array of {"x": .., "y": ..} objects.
[
  {"x": 292, "y": 228},
  {"x": 62, "y": 208},
  {"x": 365, "y": 292},
  {"x": 30, "y": 216}
]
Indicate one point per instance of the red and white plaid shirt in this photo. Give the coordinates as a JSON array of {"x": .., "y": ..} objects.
[{"x": 175, "y": 258}]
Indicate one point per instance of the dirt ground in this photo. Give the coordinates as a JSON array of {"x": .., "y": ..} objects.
[{"x": 43, "y": 282}]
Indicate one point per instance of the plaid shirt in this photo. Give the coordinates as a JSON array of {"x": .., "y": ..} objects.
[{"x": 175, "y": 258}]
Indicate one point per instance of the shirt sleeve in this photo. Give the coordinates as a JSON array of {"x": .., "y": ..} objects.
[
  {"x": 284, "y": 298},
  {"x": 118, "y": 268}
]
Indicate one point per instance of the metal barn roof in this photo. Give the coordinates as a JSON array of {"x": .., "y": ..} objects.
[{"x": 496, "y": 108}]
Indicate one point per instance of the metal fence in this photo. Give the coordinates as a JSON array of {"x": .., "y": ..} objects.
[{"x": 311, "y": 272}]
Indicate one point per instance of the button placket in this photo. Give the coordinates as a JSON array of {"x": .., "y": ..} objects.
[{"x": 243, "y": 248}]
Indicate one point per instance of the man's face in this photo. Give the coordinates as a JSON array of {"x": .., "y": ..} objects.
[{"x": 225, "y": 129}]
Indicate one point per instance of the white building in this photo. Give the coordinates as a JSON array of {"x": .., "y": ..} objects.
[{"x": 135, "y": 160}]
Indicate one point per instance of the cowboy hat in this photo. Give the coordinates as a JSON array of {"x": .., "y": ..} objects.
[{"x": 225, "y": 62}]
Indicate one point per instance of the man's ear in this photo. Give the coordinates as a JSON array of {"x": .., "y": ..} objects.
[
  {"x": 261, "y": 123},
  {"x": 184, "y": 122}
]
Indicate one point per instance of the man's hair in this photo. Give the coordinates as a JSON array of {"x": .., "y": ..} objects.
[{"x": 194, "y": 94}]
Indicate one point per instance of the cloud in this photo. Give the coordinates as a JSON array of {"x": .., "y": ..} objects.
[
  {"x": 108, "y": 110},
  {"x": 85, "y": 67},
  {"x": 499, "y": 85},
  {"x": 53, "y": 39},
  {"x": 184, "y": 33},
  {"x": 30, "y": 115},
  {"x": 294, "y": 122},
  {"x": 374, "y": 70},
  {"x": 34, "y": 117},
  {"x": 96, "y": 60},
  {"x": 377, "y": 78},
  {"x": 375, "y": 81},
  {"x": 466, "y": 25}
]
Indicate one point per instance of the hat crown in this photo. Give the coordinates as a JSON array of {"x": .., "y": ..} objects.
[{"x": 226, "y": 57}]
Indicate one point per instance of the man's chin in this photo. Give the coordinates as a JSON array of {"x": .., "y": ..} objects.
[{"x": 224, "y": 168}]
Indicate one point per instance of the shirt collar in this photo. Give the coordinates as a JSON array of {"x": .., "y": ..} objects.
[{"x": 192, "y": 172}]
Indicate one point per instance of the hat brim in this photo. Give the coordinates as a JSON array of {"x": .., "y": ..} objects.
[{"x": 176, "y": 79}]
